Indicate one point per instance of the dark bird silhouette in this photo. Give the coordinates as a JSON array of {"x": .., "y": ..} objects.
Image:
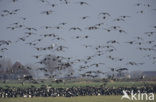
[
  {"x": 3, "y": 49},
  {"x": 15, "y": 10},
  {"x": 23, "y": 18},
  {"x": 84, "y": 17},
  {"x": 112, "y": 42},
  {"x": 15, "y": 26},
  {"x": 75, "y": 28},
  {"x": 30, "y": 33},
  {"x": 133, "y": 63},
  {"x": 121, "y": 69},
  {"x": 7, "y": 12},
  {"x": 109, "y": 46},
  {"x": 154, "y": 27},
  {"x": 147, "y": 5},
  {"x": 150, "y": 42},
  {"x": 47, "y": 35},
  {"x": 31, "y": 44},
  {"x": 38, "y": 49},
  {"x": 141, "y": 11},
  {"x": 36, "y": 56},
  {"x": 61, "y": 48},
  {"x": 149, "y": 34},
  {"x": 47, "y": 27},
  {"x": 22, "y": 38},
  {"x": 97, "y": 64},
  {"x": 44, "y": 1},
  {"x": 65, "y": 1},
  {"x": 130, "y": 42},
  {"x": 122, "y": 31},
  {"x": 63, "y": 23},
  {"x": 87, "y": 46},
  {"x": 99, "y": 24},
  {"x": 147, "y": 49},
  {"x": 82, "y": 3},
  {"x": 5, "y": 42},
  {"x": 29, "y": 68},
  {"x": 12, "y": 28},
  {"x": 104, "y": 13},
  {"x": 139, "y": 43},
  {"x": 30, "y": 28},
  {"x": 37, "y": 40},
  {"x": 57, "y": 27},
  {"x": 108, "y": 30},
  {"x": 92, "y": 28},
  {"x": 115, "y": 58},
  {"x": 119, "y": 19},
  {"x": 47, "y": 12},
  {"x": 110, "y": 50},
  {"x": 53, "y": 5},
  {"x": 138, "y": 38},
  {"x": 77, "y": 37},
  {"x": 59, "y": 38},
  {"x": 14, "y": 0},
  {"x": 114, "y": 27},
  {"x": 124, "y": 17},
  {"x": 82, "y": 37},
  {"x": 138, "y": 4}
]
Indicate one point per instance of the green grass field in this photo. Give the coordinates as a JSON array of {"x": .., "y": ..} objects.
[
  {"x": 78, "y": 84},
  {"x": 72, "y": 99}
]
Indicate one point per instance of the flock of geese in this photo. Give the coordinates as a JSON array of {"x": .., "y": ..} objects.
[{"x": 144, "y": 42}]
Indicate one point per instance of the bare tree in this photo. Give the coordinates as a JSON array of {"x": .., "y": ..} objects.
[
  {"x": 136, "y": 74},
  {"x": 57, "y": 65},
  {"x": 33, "y": 70},
  {"x": 5, "y": 64}
]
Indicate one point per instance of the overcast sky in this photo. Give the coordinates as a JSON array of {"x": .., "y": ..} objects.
[{"x": 136, "y": 24}]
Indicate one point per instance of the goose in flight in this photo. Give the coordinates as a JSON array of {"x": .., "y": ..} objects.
[
  {"x": 122, "y": 31},
  {"x": 104, "y": 13},
  {"x": 83, "y": 3},
  {"x": 92, "y": 28},
  {"x": 4, "y": 42},
  {"x": 124, "y": 17},
  {"x": 65, "y": 1},
  {"x": 84, "y": 17},
  {"x": 30, "y": 28},
  {"x": 99, "y": 24},
  {"x": 149, "y": 34},
  {"x": 112, "y": 42},
  {"x": 63, "y": 23},
  {"x": 30, "y": 33},
  {"x": 43, "y": 1},
  {"x": 75, "y": 28},
  {"x": 7, "y": 12},
  {"x": 119, "y": 19},
  {"x": 47, "y": 12}
]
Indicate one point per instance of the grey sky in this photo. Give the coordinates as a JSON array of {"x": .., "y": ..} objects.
[{"x": 136, "y": 25}]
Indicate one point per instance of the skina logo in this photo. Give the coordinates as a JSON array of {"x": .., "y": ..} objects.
[
  {"x": 137, "y": 96},
  {"x": 125, "y": 95}
]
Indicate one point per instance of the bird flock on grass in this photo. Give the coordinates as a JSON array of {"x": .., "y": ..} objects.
[{"x": 106, "y": 23}]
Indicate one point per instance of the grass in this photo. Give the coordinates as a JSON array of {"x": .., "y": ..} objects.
[
  {"x": 78, "y": 84},
  {"x": 72, "y": 99}
]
